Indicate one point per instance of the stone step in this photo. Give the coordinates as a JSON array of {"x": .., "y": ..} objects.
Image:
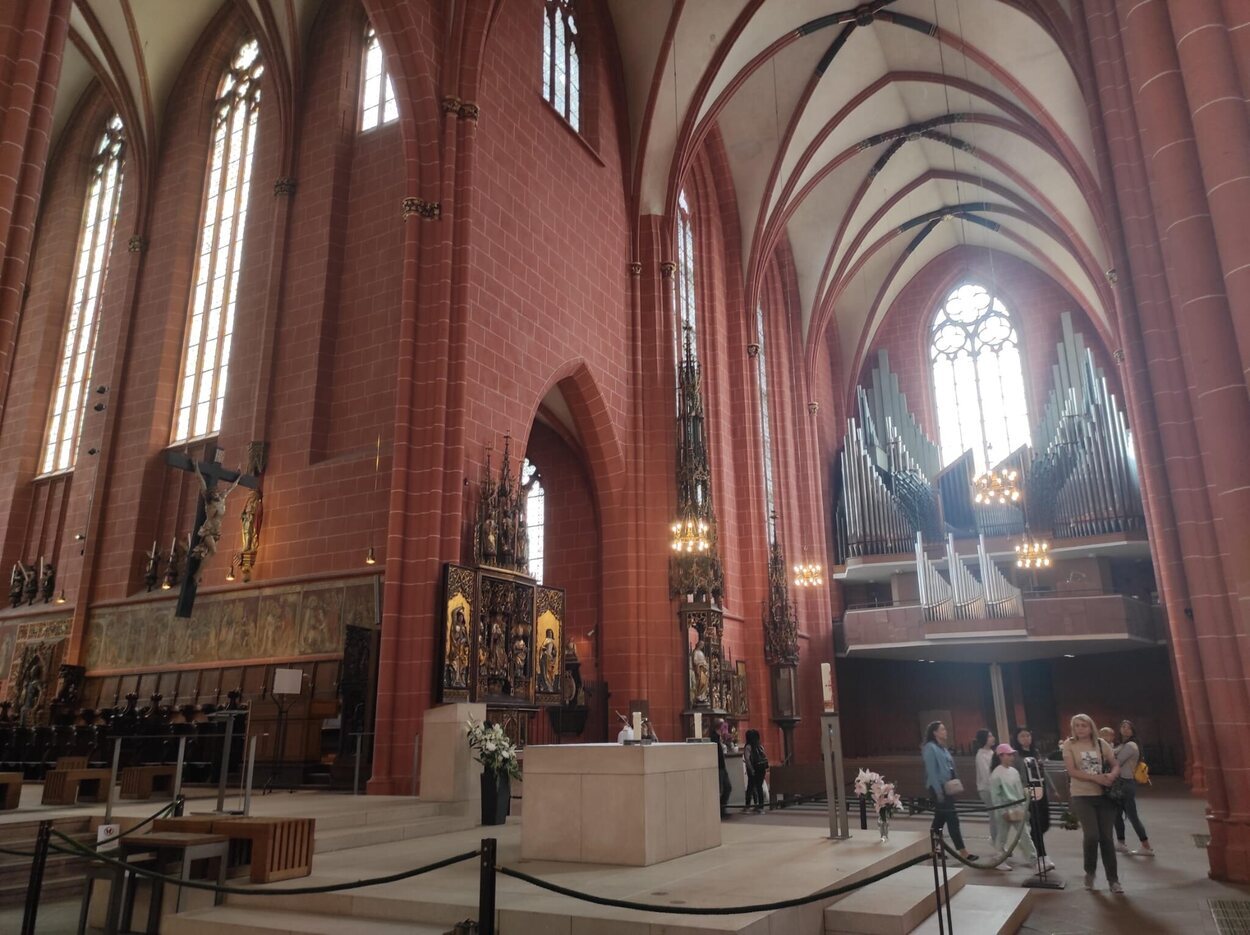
[
  {"x": 367, "y": 835},
  {"x": 235, "y": 920},
  {"x": 984, "y": 910},
  {"x": 894, "y": 906},
  {"x": 374, "y": 816}
]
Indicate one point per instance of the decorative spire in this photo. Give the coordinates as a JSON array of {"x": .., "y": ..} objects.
[
  {"x": 781, "y": 628},
  {"x": 695, "y": 566}
]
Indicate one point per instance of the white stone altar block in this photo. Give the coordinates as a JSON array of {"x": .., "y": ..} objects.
[
  {"x": 614, "y": 804},
  {"x": 448, "y": 771}
]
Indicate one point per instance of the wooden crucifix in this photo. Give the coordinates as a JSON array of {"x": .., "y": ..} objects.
[{"x": 209, "y": 513}]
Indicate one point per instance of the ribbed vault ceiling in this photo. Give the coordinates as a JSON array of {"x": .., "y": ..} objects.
[{"x": 872, "y": 139}]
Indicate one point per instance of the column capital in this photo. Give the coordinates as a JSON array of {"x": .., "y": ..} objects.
[{"x": 429, "y": 210}]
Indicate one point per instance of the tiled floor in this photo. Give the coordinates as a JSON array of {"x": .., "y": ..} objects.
[{"x": 1166, "y": 894}]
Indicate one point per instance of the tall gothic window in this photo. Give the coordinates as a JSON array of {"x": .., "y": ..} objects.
[
  {"x": 95, "y": 241},
  {"x": 685, "y": 279},
  {"x": 377, "y": 93},
  {"x": 210, "y": 314},
  {"x": 561, "y": 64},
  {"x": 766, "y": 430},
  {"x": 977, "y": 377},
  {"x": 535, "y": 517}
]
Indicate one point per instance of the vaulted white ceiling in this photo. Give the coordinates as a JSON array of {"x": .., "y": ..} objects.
[{"x": 872, "y": 139}]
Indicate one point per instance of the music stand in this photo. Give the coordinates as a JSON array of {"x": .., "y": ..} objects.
[
  {"x": 288, "y": 685},
  {"x": 1036, "y": 776}
]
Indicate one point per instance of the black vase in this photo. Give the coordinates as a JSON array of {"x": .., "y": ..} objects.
[{"x": 496, "y": 796}]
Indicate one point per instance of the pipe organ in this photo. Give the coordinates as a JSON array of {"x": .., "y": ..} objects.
[
  {"x": 1080, "y": 477},
  {"x": 1002, "y": 598},
  {"x": 963, "y": 597}
]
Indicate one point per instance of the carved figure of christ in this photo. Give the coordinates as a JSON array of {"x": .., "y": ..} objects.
[{"x": 209, "y": 512}]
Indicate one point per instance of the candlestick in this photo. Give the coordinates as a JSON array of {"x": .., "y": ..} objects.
[
  {"x": 638, "y": 726},
  {"x": 698, "y": 725}
]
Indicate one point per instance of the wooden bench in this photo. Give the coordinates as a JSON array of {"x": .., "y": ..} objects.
[
  {"x": 139, "y": 782},
  {"x": 11, "y": 785},
  {"x": 71, "y": 779},
  {"x": 268, "y": 848}
]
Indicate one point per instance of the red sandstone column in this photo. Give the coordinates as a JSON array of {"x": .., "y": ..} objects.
[
  {"x": 1222, "y": 132},
  {"x": 1213, "y": 368},
  {"x": 32, "y": 39}
]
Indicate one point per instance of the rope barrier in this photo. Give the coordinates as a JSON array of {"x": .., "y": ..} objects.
[
  {"x": 147, "y": 821},
  {"x": 1007, "y": 852},
  {"x": 710, "y": 910},
  {"x": 81, "y": 851}
]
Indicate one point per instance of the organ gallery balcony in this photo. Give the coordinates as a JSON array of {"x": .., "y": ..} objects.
[{"x": 1053, "y": 624}]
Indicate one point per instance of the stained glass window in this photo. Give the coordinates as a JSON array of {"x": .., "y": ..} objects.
[
  {"x": 535, "y": 515},
  {"x": 95, "y": 242},
  {"x": 210, "y": 313},
  {"x": 685, "y": 280},
  {"x": 977, "y": 378},
  {"x": 561, "y": 64},
  {"x": 377, "y": 93},
  {"x": 766, "y": 431}
]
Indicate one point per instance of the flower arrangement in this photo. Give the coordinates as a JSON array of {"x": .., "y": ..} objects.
[
  {"x": 885, "y": 799},
  {"x": 494, "y": 750}
]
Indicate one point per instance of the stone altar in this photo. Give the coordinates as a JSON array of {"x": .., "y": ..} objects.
[
  {"x": 448, "y": 771},
  {"x": 614, "y": 804}
]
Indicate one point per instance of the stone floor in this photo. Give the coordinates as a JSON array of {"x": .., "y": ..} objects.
[{"x": 1166, "y": 894}]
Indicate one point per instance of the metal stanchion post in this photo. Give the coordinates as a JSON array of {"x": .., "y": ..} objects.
[
  {"x": 946, "y": 887},
  {"x": 225, "y": 765},
  {"x": 486, "y": 890},
  {"x": 35, "y": 883},
  {"x": 416, "y": 760},
  {"x": 182, "y": 755},
  {"x": 108, "y": 801},
  {"x": 180, "y": 806},
  {"x": 356, "y": 767},
  {"x": 935, "y": 846},
  {"x": 863, "y": 813},
  {"x": 247, "y": 780}
]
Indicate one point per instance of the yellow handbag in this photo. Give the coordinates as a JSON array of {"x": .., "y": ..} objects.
[{"x": 1141, "y": 773}]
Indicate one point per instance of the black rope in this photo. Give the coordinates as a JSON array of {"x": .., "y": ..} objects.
[
  {"x": 81, "y": 851},
  {"x": 1007, "y": 851},
  {"x": 710, "y": 910},
  {"x": 151, "y": 818}
]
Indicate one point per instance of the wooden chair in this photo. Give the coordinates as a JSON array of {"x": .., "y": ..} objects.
[
  {"x": 72, "y": 778},
  {"x": 139, "y": 782},
  {"x": 11, "y": 785}
]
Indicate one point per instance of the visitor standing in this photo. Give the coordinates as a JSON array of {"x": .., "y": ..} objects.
[
  {"x": 756, "y": 762},
  {"x": 1092, "y": 767},
  {"x": 720, "y": 731},
  {"x": 941, "y": 781},
  {"x": 1007, "y": 794},
  {"x": 1128, "y": 755},
  {"x": 985, "y": 744},
  {"x": 1028, "y": 764}
]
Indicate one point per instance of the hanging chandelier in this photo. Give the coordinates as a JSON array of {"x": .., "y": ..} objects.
[
  {"x": 808, "y": 575},
  {"x": 690, "y": 536},
  {"x": 1033, "y": 553},
  {"x": 999, "y": 487}
]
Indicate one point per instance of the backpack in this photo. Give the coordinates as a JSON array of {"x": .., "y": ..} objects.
[
  {"x": 1141, "y": 773},
  {"x": 759, "y": 759}
]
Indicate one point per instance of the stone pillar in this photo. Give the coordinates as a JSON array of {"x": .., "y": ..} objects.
[
  {"x": 1222, "y": 134},
  {"x": 1206, "y": 335},
  {"x": 32, "y": 41}
]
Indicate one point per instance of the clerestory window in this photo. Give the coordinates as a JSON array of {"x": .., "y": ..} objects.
[
  {"x": 535, "y": 517},
  {"x": 978, "y": 380},
  {"x": 561, "y": 62},
  {"x": 766, "y": 431},
  {"x": 210, "y": 313},
  {"x": 95, "y": 242},
  {"x": 377, "y": 92}
]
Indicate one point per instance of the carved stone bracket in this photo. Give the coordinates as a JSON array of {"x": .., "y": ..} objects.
[
  {"x": 1118, "y": 354},
  {"x": 1113, "y": 277},
  {"x": 813, "y": 407},
  {"x": 284, "y": 186},
  {"x": 468, "y": 111},
  {"x": 635, "y": 268},
  {"x": 451, "y": 105},
  {"x": 136, "y": 244},
  {"x": 667, "y": 269},
  {"x": 429, "y": 210},
  {"x": 753, "y": 351}
]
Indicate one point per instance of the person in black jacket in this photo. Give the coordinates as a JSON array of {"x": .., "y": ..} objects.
[
  {"x": 1039, "y": 822},
  {"x": 720, "y": 733},
  {"x": 756, "y": 762}
]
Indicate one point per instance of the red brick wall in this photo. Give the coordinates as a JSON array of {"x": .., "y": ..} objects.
[{"x": 1035, "y": 301}]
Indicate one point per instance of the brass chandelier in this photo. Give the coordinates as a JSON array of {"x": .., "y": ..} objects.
[
  {"x": 808, "y": 575},
  {"x": 1033, "y": 553},
  {"x": 999, "y": 487}
]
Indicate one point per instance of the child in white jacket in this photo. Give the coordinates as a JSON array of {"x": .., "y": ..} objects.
[{"x": 1005, "y": 786}]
